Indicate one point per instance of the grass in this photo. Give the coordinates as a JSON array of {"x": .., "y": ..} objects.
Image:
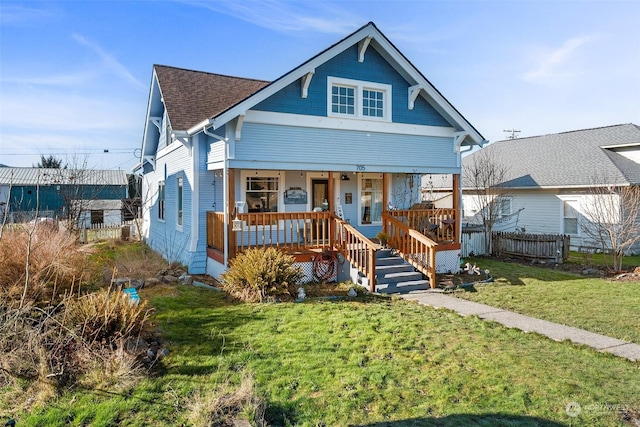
[
  {"x": 596, "y": 304},
  {"x": 601, "y": 260},
  {"x": 365, "y": 362}
]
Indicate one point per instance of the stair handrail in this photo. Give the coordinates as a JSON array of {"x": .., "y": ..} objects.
[
  {"x": 358, "y": 249},
  {"x": 413, "y": 246}
]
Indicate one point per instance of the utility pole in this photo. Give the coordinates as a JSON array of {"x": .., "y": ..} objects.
[{"x": 514, "y": 133}]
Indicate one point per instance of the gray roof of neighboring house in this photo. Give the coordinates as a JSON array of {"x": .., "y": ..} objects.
[
  {"x": 193, "y": 96},
  {"x": 44, "y": 176},
  {"x": 568, "y": 159}
]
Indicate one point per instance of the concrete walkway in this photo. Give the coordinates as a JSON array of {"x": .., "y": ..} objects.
[{"x": 555, "y": 331}]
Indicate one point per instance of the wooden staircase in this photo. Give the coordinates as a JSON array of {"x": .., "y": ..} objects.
[{"x": 394, "y": 275}]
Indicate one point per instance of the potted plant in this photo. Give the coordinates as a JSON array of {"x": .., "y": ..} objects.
[{"x": 382, "y": 238}]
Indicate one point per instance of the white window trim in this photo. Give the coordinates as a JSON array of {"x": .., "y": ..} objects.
[
  {"x": 361, "y": 176},
  {"x": 359, "y": 86},
  {"x": 569, "y": 201},
  {"x": 179, "y": 226},
  {"x": 502, "y": 200},
  {"x": 164, "y": 197},
  {"x": 244, "y": 174}
]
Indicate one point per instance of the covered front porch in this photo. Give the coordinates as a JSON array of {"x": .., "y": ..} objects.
[{"x": 315, "y": 219}]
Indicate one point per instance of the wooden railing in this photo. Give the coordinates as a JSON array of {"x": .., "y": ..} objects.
[
  {"x": 416, "y": 248},
  {"x": 357, "y": 249},
  {"x": 215, "y": 230},
  {"x": 287, "y": 230},
  {"x": 437, "y": 224},
  {"x": 298, "y": 231}
]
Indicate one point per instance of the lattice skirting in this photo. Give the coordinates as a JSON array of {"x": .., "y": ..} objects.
[{"x": 448, "y": 261}]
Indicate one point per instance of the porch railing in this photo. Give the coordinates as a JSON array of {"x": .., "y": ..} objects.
[
  {"x": 437, "y": 224},
  {"x": 298, "y": 231},
  {"x": 416, "y": 248},
  {"x": 357, "y": 249},
  {"x": 287, "y": 230}
]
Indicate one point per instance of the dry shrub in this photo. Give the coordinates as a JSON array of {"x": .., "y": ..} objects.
[
  {"x": 54, "y": 261},
  {"x": 221, "y": 406},
  {"x": 106, "y": 316},
  {"x": 113, "y": 370},
  {"x": 260, "y": 274}
]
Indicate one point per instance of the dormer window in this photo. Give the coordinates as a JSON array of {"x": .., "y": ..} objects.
[{"x": 358, "y": 99}]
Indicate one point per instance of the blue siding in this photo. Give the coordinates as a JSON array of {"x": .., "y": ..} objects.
[
  {"x": 52, "y": 197},
  {"x": 280, "y": 147},
  {"x": 345, "y": 65}
]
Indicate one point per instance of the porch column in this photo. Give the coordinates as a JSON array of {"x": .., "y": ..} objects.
[
  {"x": 330, "y": 190},
  {"x": 385, "y": 199},
  {"x": 456, "y": 207},
  {"x": 231, "y": 185}
]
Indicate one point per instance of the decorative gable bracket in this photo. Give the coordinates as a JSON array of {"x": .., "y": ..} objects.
[
  {"x": 151, "y": 160},
  {"x": 239, "y": 123},
  {"x": 182, "y": 138},
  {"x": 413, "y": 93},
  {"x": 156, "y": 121},
  {"x": 362, "y": 48},
  {"x": 306, "y": 81},
  {"x": 458, "y": 137}
]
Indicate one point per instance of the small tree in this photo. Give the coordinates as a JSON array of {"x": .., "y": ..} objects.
[
  {"x": 612, "y": 218},
  {"x": 51, "y": 162},
  {"x": 484, "y": 177}
]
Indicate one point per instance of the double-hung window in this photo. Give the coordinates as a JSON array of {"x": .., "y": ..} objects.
[
  {"x": 161, "y": 201},
  {"x": 570, "y": 217},
  {"x": 358, "y": 99},
  {"x": 180, "y": 200}
]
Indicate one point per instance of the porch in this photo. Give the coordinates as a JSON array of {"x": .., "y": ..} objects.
[{"x": 416, "y": 234}]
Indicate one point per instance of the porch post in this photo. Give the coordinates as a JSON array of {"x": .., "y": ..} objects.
[
  {"x": 232, "y": 240},
  {"x": 456, "y": 206},
  {"x": 330, "y": 190},
  {"x": 385, "y": 199}
]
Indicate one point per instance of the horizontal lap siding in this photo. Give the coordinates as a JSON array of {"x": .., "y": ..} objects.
[
  {"x": 165, "y": 237},
  {"x": 291, "y": 145},
  {"x": 542, "y": 211}
]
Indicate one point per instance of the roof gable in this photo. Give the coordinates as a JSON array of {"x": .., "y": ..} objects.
[
  {"x": 569, "y": 159},
  {"x": 366, "y": 36}
]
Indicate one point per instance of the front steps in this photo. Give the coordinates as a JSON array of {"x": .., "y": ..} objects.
[{"x": 394, "y": 275}]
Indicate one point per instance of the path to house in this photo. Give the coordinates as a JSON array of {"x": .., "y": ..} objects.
[{"x": 555, "y": 331}]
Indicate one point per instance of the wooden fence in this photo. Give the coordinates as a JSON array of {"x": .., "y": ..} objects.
[
  {"x": 125, "y": 231},
  {"x": 535, "y": 246}
]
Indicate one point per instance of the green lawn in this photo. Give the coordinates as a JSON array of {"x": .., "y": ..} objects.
[
  {"x": 362, "y": 362},
  {"x": 599, "y": 305}
]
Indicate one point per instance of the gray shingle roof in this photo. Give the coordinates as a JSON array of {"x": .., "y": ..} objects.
[
  {"x": 567, "y": 159},
  {"x": 193, "y": 96},
  {"x": 43, "y": 176}
]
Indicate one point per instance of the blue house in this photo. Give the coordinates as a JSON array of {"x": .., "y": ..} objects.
[{"x": 317, "y": 162}]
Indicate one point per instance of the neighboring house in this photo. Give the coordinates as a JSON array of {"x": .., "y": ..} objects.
[
  {"x": 52, "y": 192},
  {"x": 552, "y": 179},
  {"x": 310, "y": 162}
]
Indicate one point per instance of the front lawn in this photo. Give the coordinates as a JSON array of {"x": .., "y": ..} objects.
[
  {"x": 599, "y": 305},
  {"x": 360, "y": 362}
]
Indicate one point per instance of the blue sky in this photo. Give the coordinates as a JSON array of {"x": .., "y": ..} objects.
[{"x": 75, "y": 75}]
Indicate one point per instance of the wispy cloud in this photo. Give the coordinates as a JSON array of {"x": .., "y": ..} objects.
[
  {"x": 553, "y": 65},
  {"x": 67, "y": 80},
  {"x": 286, "y": 16},
  {"x": 13, "y": 14},
  {"x": 110, "y": 61}
]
